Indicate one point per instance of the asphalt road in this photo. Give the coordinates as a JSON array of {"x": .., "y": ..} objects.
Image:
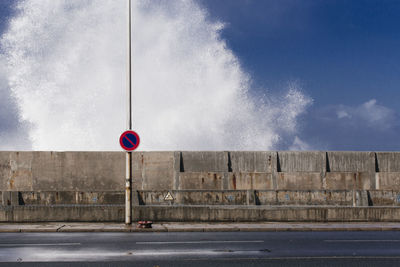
[{"x": 201, "y": 249}]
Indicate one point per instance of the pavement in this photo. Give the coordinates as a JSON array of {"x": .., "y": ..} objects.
[
  {"x": 211, "y": 249},
  {"x": 196, "y": 227}
]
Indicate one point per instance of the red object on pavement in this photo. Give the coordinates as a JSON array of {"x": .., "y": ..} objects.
[{"x": 144, "y": 224}]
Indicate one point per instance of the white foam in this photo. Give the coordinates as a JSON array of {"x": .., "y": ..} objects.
[{"x": 67, "y": 63}]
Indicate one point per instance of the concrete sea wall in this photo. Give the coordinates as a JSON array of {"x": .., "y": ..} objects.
[{"x": 204, "y": 185}]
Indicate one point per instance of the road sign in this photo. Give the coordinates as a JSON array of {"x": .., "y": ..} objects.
[
  {"x": 129, "y": 140},
  {"x": 169, "y": 197}
]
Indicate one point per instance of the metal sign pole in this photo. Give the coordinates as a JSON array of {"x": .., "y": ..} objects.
[{"x": 128, "y": 180}]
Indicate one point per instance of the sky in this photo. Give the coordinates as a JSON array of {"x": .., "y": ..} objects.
[{"x": 343, "y": 56}]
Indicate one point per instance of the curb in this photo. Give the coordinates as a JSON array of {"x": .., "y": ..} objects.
[{"x": 180, "y": 227}]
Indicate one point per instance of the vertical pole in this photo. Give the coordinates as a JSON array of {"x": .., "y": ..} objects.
[{"x": 128, "y": 180}]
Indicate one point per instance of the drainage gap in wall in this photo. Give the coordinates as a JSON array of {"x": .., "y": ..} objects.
[
  {"x": 20, "y": 199},
  {"x": 370, "y": 203},
  {"x": 140, "y": 198},
  {"x": 376, "y": 163},
  {"x": 328, "y": 167},
  {"x": 256, "y": 198},
  {"x": 181, "y": 167},
  {"x": 278, "y": 163},
  {"x": 229, "y": 162}
]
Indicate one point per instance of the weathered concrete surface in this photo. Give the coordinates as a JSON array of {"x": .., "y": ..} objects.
[
  {"x": 349, "y": 161},
  {"x": 201, "y": 180},
  {"x": 104, "y": 171},
  {"x": 10, "y": 198},
  {"x": 250, "y": 180},
  {"x": 263, "y": 197},
  {"x": 207, "y": 197},
  {"x": 387, "y": 174},
  {"x": 196, "y": 213},
  {"x": 154, "y": 170},
  {"x": 67, "y": 213},
  {"x": 214, "y": 178},
  {"x": 52, "y": 171},
  {"x": 252, "y": 161},
  {"x": 85, "y": 171},
  {"x": 348, "y": 180},
  {"x": 204, "y": 161},
  {"x": 384, "y": 197},
  {"x": 70, "y": 197},
  {"x": 388, "y": 161},
  {"x": 301, "y": 161},
  {"x": 262, "y": 213},
  {"x": 388, "y": 180},
  {"x": 299, "y": 180}
]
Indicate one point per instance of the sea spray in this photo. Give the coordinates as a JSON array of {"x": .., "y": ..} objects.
[{"x": 66, "y": 64}]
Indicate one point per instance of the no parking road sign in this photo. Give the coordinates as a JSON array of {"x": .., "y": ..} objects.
[{"x": 129, "y": 140}]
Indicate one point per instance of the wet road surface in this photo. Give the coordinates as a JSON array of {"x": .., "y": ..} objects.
[{"x": 201, "y": 249}]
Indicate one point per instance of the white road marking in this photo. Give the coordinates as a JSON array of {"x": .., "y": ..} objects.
[
  {"x": 361, "y": 240},
  {"x": 38, "y": 244},
  {"x": 299, "y": 258},
  {"x": 198, "y": 242}
]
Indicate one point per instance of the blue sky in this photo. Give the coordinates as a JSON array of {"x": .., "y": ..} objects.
[
  {"x": 345, "y": 55},
  {"x": 5, "y": 12},
  {"x": 346, "y": 47}
]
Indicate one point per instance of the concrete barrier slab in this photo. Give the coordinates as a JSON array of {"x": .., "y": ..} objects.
[
  {"x": 204, "y": 161},
  {"x": 351, "y": 161},
  {"x": 20, "y": 175},
  {"x": 253, "y": 161},
  {"x": 340, "y": 198},
  {"x": 388, "y": 161},
  {"x": 154, "y": 170},
  {"x": 200, "y": 197},
  {"x": 67, "y": 213},
  {"x": 293, "y": 197},
  {"x": 155, "y": 198},
  {"x": 299, "y": 181},
  {"x": 200, "y": 213},
  {"x": 58, "y": 171},
  {"x": 267, "y": 197},
  {"x": 248, "y": 181},
  {"x": 262, "y": 213},
  {"x": 318, "y": 197},
  {"x": 78, "y": 171},
  {"x": 71, "y": 197},
  {"x": 302, "y": 161},
  {"x": 5, "y": 170},
  {"x": 201, "y": 180},
  {"x": 384, "y": 197},
  {"x": 236, "y": 198},
  {"x": 249, "y": 197},
  {"x": 388, "y": 180},
  {"x": 348, "y": 180}
]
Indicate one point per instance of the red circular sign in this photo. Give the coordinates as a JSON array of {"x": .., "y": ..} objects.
[{"x": 129, "y": 140}]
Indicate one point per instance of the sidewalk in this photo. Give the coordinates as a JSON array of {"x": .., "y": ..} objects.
[{"x": 196, "y": 227}]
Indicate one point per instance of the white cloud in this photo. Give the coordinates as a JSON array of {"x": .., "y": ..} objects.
[
  {"x": 299, "y": 145},
  {"x": 375, "y": 113},
  {"x": 365, "y": 126},
  {"x": 369, "y": 113},
  {"x": 342, "y": 114}
]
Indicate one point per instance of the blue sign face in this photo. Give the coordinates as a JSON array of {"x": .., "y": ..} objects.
[{"x": 129, "y": 140}]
